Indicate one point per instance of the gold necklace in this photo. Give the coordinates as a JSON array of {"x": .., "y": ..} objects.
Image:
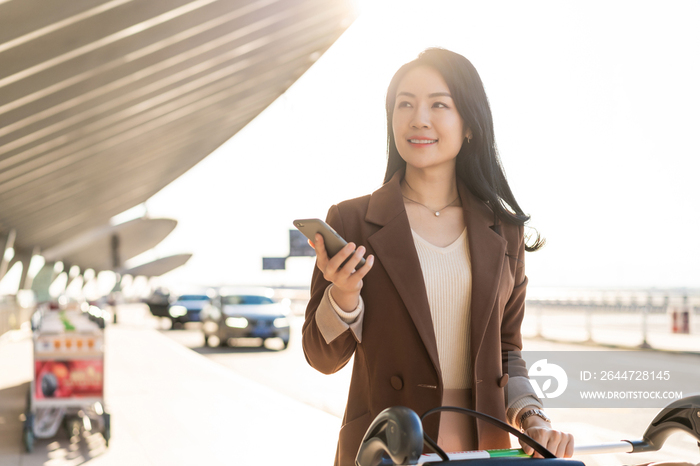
[{"x": 436, "y": 212}]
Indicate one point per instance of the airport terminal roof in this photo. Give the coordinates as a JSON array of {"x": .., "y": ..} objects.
[{"x": 103, "y": 103}]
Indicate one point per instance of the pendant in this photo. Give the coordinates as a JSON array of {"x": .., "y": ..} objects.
[{"x": 437, "y": 214}]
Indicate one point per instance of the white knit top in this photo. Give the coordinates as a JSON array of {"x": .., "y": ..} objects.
[{"x": 447, "y": 275}]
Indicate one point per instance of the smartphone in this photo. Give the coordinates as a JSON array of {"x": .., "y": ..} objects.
[{"x": 333, "y": 241}]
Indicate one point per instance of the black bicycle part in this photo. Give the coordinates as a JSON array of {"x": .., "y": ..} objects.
[
  {"x": 526, "y": 439},
  {"x": 397, "y": 432}
]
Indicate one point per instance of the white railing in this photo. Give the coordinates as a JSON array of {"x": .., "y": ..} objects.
[{"x": 666, "y": 322}]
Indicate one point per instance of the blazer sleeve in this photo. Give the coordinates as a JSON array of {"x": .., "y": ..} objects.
[
  {"x": 326, "y": 357},
  {"x": 518, "y": 387}
]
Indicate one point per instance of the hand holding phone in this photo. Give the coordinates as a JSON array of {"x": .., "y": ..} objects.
[
  {"x": 332, "y": 241},
  {"x": 340, "y": 263}
]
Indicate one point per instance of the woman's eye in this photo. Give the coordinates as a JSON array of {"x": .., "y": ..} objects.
[
  {"x": 439, "y": 105},
  {"x": 403, "y": 104}
]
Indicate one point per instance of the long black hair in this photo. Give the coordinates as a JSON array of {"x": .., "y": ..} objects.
[{"x": 478, "y": 164}]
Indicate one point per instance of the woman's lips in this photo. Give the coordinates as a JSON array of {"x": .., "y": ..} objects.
[{"x": 421, "y": 142}]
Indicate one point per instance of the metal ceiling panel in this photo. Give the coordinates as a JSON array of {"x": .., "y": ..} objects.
[{"x": 103, "y": 103}]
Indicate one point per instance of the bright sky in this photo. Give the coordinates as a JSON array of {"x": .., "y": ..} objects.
[{"x": 596, "y": 108}]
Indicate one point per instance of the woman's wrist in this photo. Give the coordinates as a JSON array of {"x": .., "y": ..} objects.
[
  {"x": 532, "y": 419},
  {"x": 347, "y": 301}
]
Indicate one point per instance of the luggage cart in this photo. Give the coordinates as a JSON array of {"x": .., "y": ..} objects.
[
  {"x": 396, "y": 437},
  {"x": 67, "y": 386}
]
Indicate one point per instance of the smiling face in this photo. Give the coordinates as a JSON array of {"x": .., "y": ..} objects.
[{"x": 427, "y": 127}]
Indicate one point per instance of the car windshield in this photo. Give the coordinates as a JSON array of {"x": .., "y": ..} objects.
[
  {"x": 193, "y": 297},
  {"x": 246, "y": 299}
]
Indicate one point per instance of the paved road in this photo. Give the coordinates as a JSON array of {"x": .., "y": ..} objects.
[
  {"x": 140, "y": 440},
  {"x": 286, "y": 371}
]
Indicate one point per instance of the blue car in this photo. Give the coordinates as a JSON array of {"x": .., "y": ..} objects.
[{"x": 245, "y": 313}]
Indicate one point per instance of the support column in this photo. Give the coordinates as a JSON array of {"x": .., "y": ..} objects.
[
  {"x": 42, "y": 282},
  {"x": 26, "y": 278},
  {"x": 116, "y": 259},
  {"x": 25, "y": 258},
  {"x": 6, "y": 258}
]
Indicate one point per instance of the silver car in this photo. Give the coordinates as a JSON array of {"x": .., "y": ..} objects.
[{"x": 245, "y": 313}]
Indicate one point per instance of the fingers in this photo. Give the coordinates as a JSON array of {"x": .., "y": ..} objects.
[
  {"x": 321, "y": 255},
  {"x": 348, "y": 273},
  {"x": 569, "y": 452},
  {"x": 335, "y": 262},
  {"x": 340, "y": 269},
  {"x": 559, "y": 443}
]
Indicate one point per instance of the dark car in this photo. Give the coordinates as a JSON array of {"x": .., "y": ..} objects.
[
  {"x": 245, "y": 314},
  {"x": 159, "y": 302},
  {"x": 187, "y": 308}
]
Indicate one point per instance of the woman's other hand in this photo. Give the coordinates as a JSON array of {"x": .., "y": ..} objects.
[
  {"x": 559, "y": 443},
  {"x": 347, "y": 282}
]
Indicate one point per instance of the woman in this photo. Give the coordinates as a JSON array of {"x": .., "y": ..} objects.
[{"x": 433, "y": 317}]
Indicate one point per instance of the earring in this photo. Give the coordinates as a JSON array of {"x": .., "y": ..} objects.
[{"x": 469, "y": 139}]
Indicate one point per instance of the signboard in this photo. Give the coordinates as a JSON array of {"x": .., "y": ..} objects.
[
  {"x": 274, "y": 263},
  {"x": 68, "y": 378},
  {"x": 299, "y": 245}
]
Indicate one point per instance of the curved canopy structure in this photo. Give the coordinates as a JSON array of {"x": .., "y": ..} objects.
[
  {"x": 105, "y": 102},
  {"x": 107, "y": 248},
  {"x": 160, "y": 266}
]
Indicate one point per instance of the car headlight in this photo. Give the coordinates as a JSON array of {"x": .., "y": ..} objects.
[
  {"x": 237, "y": 322},
  {"x": 177, "y": 311},
  {"x": 280, "y": 322}
]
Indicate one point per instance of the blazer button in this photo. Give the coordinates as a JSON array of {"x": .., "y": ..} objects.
[
  {"x": 396, "y": 382},
  {"x": 503, "y": 381}
]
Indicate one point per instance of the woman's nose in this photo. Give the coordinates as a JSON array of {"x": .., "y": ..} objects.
[{"x": 420, "y": 118}]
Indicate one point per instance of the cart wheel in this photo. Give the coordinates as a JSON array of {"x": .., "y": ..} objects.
[
  {"x": 28, "y": 432},
  {"x": 72, "y": 425},
  {"x": 107, "y": 434},
  {"x": 28, "y": 440}
]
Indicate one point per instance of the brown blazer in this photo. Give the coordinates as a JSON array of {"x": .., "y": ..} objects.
[{"x": 397, "y": 361}]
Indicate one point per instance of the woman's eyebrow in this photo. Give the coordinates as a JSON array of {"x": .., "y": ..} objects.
[
  {"x": 440, "y": 94},
  {"x": 434, "y": 94}
]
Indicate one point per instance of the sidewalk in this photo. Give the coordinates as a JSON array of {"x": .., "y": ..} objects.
[{"x": 170, "y": 406}]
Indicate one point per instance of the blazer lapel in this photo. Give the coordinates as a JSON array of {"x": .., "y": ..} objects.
[
  {"x": 394, "y": 247},
  {"x": 487, "y": 251}
]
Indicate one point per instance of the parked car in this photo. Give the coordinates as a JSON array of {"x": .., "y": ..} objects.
[
  {"x": 187, "y": 308},
  {"x": 245, "y": 313},
  {"x": 159, "y": 302}
]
